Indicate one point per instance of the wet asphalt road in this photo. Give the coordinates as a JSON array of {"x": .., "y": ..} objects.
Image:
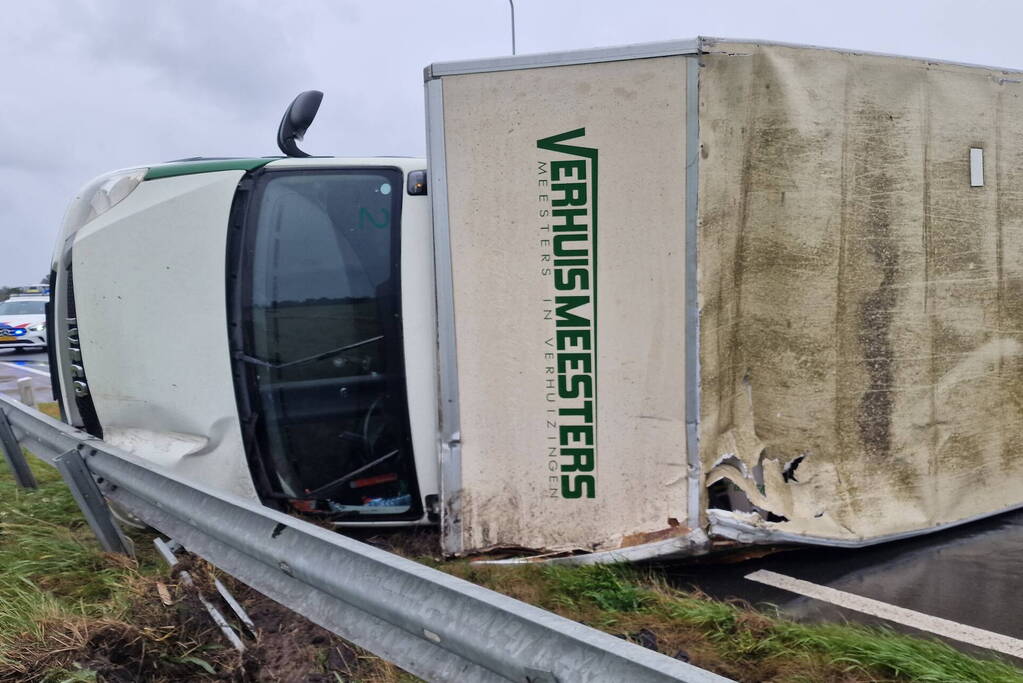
[
  {"x": 972, "y": 575},
  {"x": 15, "y": 365}
]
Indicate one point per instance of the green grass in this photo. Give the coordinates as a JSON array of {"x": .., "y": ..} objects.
[
  {"x": 607, "y": 588},
  {"x": 66, "y": 607},
  {"x": 54, "y": 579},
  {"x": 740, "y": 634}
]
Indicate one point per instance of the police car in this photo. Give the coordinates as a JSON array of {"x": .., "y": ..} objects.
[{"x": 23, "y": 322}]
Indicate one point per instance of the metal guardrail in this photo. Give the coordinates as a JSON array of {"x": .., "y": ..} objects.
[{"x": 431, "y": 624}]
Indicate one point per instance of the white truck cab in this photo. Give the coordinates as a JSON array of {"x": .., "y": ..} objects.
[{"x": 244, "y": 323}]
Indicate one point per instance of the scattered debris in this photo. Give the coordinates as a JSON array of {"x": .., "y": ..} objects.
[
  {"x": 236, "y": 607},
  {"x": 644, "y": 637},
  {"x": 165, "y": 596},
  {"x": 167, "y": 551}
]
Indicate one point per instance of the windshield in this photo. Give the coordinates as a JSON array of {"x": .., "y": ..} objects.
[
  {"x": 14, "y": 307},
  {"x": 323, "y": 346}
]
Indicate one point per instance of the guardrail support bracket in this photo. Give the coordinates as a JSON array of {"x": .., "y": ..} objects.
[
  {"x": 14, "y": 456},
  {"x": 90, "y": 500}
]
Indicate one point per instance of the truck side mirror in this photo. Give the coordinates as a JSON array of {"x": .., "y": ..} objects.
[{"x": 296, "y": 121}]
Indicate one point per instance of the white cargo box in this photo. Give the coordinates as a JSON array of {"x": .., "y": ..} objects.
[{"x": 765, "y": 292}]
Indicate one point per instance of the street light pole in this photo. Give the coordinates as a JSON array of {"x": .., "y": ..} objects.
[{"x": 512, "y": 4}]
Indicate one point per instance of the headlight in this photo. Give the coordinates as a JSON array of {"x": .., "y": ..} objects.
[
  {"x": 99, "y": 196},
  {"x": 37, "y": 328}
]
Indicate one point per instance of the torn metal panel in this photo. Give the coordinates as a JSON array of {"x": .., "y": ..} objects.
[
  {"x": 751, "y": 529},
  {"x": 858, "y": 308},
  {"x": 689, "y": 544}
]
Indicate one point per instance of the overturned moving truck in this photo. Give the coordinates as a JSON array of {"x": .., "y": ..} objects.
[
  {"x": 646, "y": 301},
  {"x": 764, "y": 292}
]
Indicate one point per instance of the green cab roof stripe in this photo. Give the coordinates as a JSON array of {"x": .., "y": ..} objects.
[{"x": 207, "y": 166}]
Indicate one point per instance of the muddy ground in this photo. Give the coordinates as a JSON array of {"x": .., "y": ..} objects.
[{"x": 157, "y": 642}]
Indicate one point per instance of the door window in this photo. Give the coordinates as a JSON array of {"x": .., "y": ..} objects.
[{"x": 323, "y": 354}]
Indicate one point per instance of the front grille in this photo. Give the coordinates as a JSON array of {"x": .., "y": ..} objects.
[{"x": 79, "y": 382}]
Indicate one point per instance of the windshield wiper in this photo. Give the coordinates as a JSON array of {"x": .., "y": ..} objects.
[
  {"x": 336, "y": 484},
  {"x": 309, "y": 359}
]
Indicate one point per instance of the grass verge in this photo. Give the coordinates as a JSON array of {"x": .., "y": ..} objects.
[
  {"x": 732, "y": 639},
  {"x": 69, "y": 612}
]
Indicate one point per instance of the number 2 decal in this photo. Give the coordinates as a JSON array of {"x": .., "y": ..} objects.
[{"x": 365, "y": 215}]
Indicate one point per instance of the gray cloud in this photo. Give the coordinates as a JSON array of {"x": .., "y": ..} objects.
[{"x": 94, "y": 85}]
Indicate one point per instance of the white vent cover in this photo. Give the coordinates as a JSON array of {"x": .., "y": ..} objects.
[{"x": 976, "y": 167}]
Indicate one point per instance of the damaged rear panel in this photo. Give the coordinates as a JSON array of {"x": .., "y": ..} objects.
[
  {"x": 761, "y": 291},
  {"x": 859, "y": 297}
]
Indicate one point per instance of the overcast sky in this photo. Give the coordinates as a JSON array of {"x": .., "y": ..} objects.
[{"x": 87, "y": 86}]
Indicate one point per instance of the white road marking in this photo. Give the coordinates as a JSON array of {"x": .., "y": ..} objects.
[
  {"x": 26, "y": 369},
  {"x": 900, "y": 615}
]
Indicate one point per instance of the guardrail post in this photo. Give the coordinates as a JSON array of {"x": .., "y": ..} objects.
[
  {"x": 15, "y": 458},
  {"x": 26, "y": 392},
  {"x": 90, "y": 500}
]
